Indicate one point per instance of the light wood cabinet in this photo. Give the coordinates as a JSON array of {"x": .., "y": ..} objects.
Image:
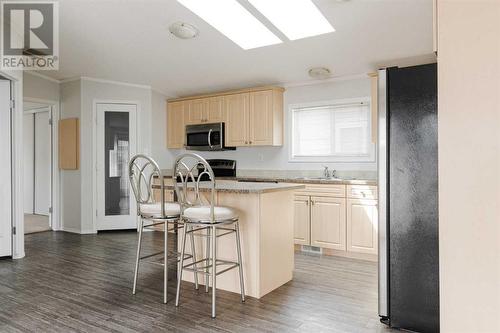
[
  {"x": 176, "y": 124},
  {"x": 260, "y": 125},
  {"x": 204, "y": 110},
  {"x": 236, "y": 110},
  {"x": 328, "y": 227},
  {"x": 215, "y": 113},
  {"x": 301, "y": 220},
  {"x": 196, "y": 111},
  {"x": 252, "y": 117},
  {"x": 341, "y": 219},
  {"x": 362, "y": 225}
]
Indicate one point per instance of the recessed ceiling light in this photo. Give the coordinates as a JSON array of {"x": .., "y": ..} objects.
[
  {"x": 183, "y": 30},
  {"x": 320, "y": 73},
  {"x": 234, "y": 21},
  {"x": 296, "y": 19}
]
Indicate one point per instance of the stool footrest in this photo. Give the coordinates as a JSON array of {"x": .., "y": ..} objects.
[{"x": 201, "y": 269}]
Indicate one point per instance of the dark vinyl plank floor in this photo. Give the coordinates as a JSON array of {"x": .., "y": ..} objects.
[{"x": 82, "y": 283}]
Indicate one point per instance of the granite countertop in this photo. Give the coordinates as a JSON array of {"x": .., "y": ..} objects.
[
  {"x": 297, "y": 180},
  {"x": 309, "y": 180},
  {"x": 244, "y": 187}
]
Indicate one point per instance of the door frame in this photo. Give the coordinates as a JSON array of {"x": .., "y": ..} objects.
[
  {"x": 95, "y": 102},
  {"x": 55, "y": 198},
  {"x": 17, "y": 172}
]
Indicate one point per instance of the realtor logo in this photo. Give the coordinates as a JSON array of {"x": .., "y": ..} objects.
[{"x": 29, "y": 35}]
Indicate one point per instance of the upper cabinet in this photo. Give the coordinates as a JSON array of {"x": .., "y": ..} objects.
[
  {"x": 204, "y": 110},
  {"x": 252, "y": 117},
  {"x": 176, "y": 124},
  {"x": 236, "y": 109},
  {"x": 215, "y": 113}
]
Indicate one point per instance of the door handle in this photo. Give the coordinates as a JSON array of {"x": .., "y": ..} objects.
[{"x": 209, "y": 140}]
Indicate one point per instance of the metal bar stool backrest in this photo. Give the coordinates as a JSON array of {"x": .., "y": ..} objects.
[
  {"x": 189, "y": 169},
  {"x": 142, "y": 170}
]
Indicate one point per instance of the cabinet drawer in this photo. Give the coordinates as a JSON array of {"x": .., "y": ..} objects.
[
  {"x": 362, "y": 191},
  {"x": 337, "y": 191}
]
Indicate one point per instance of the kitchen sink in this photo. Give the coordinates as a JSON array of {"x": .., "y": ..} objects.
[{"x": 319, "y": 178}]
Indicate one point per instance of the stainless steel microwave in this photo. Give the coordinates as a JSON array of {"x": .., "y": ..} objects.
[{"x": 208, "y": 137}]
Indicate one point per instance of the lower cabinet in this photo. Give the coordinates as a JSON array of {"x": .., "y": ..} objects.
[
  {"x": 302, "y": 228},
  {"x": 328, "y": 227},
  {"x": 338, "y": 220},
  {"x": 362, "y": 226}
]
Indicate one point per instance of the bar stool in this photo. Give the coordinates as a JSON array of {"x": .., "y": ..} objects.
[
  {"x": 210, "y": 218},
  {"x": 142, "y": 172}
]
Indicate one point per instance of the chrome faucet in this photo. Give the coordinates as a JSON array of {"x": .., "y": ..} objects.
[{"x": 326, "y": 173}]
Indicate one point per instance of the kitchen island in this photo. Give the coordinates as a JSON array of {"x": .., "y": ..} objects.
[{"x": 266, "y": 222}]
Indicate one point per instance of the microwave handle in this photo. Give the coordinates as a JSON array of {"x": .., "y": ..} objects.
[{"x": 209, "y": 135}]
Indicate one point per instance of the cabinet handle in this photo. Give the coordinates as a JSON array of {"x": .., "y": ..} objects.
[
  {"x": 250, "y": 142},
  {"x": 312, "y": 202},
  {"x": 307, "y": 203}
]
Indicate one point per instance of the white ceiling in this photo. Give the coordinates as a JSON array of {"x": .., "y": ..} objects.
[{"x": 128, "y": 40}]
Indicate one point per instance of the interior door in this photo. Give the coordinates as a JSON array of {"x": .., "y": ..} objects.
[
  {"x": 5, "y": 171},
  {"x": 42, "y": 165},
  {"x": 116, "y": 144}
]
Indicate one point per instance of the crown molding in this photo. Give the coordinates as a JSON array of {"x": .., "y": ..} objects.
[
  {"x": 330, "y": 80},
  {"x": 45, "y": 77},
  {"x": 118, "y": 83}
]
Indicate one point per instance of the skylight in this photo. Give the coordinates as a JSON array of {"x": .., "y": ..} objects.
[
  {"x": 234, "y": 21},
  {"x": 295, "y": 18}
]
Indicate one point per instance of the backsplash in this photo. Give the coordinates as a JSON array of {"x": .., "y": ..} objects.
[{"x": 343, "y": 174}]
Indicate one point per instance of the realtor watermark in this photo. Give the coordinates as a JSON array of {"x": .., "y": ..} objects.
[{"x": 29, "y": 35}]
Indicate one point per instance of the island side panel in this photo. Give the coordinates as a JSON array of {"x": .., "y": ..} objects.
[
  {"x": 276, "y": 240},
  {"x": 247, "y": 206}
]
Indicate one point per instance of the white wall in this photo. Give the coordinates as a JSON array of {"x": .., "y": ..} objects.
[
  {"x": 163, "y": 156},
  {"x": 40, "y": 88},
  {"x": 469, "y": 165},
  {"x": 95, "y": 91},
  {"x": 70, "y": 181},
  {"x": 273, "y": 158}
]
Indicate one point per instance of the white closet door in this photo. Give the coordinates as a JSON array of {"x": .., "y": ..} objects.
[
  {"x": 42, "y": 163},
  {"x": 5, "y": 171},
  {"x": 29, "y": 162}
]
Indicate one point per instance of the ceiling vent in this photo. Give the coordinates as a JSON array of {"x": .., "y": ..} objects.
[{"x": 183, "y": 30}]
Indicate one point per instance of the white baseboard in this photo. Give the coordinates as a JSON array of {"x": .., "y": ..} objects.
[{"x": 77, "y": 231}]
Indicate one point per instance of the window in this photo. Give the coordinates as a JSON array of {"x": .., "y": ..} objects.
[{"x": 332, "y": 132}]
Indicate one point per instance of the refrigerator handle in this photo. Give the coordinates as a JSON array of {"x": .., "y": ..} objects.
[{"x": 383, "y": 263}]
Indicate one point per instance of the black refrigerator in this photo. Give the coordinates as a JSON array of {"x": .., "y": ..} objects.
[{"x": 408, "y": 198}]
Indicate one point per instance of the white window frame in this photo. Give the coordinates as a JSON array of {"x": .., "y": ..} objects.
[{"x": 365, "y": 158}]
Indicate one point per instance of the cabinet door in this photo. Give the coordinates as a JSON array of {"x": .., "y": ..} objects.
[
  {"x": 236, "y": 112},
  {"x": 215, "y": 110},
  {"x": 175, "y": 124},
  {"x": 197, "y": 111},
  {"x": 328, "y": 222},
  {"x": 301, "y": 220},
  {"x": 261, "y": 118},
  {"x": 362, "y": 226}
]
